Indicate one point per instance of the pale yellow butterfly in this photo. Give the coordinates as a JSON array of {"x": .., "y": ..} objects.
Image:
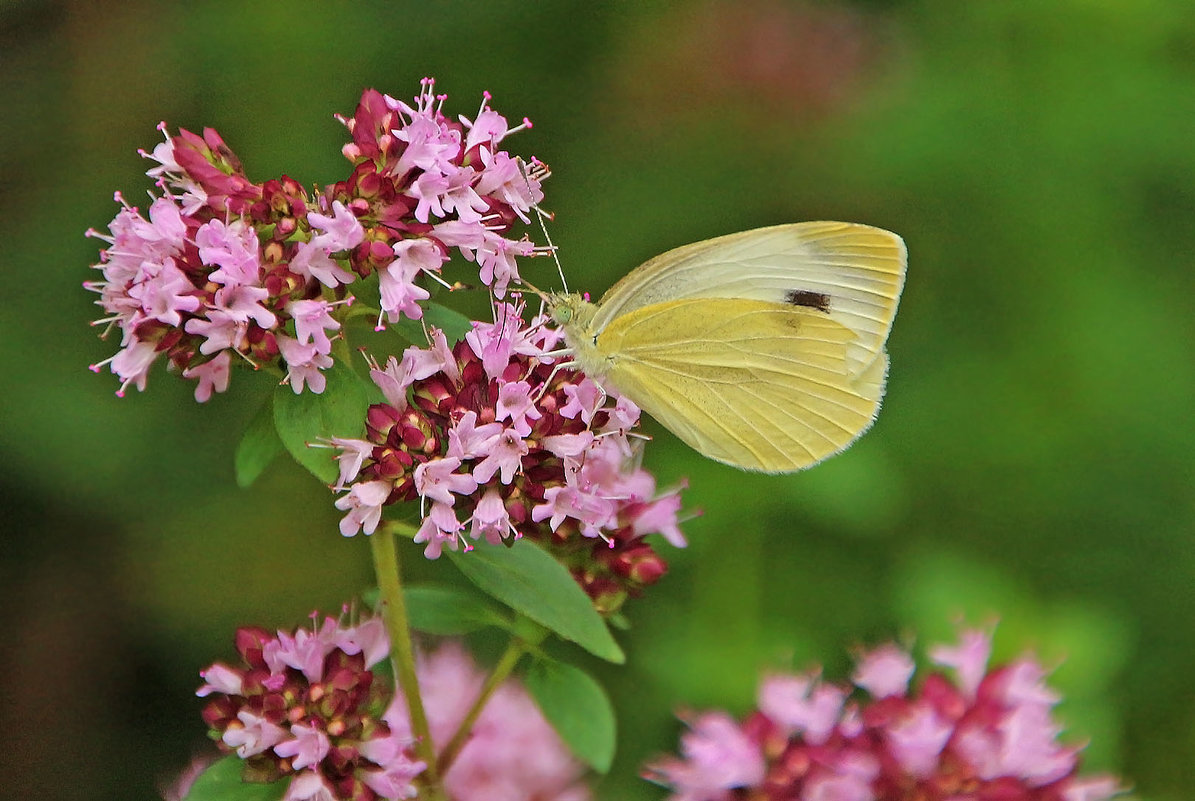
[{"x": 762, "y": 349}]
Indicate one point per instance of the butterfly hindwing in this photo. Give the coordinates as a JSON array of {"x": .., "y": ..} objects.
[{"x": 759, "y": 385}]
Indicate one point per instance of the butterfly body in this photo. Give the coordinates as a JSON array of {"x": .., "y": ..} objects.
[{"x": 763, "y": 349}]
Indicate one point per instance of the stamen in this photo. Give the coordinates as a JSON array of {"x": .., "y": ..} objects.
[
  {"x": 525, "y": 126},
  {"x": 485, "y": 100},
  {"x": 252, "y": 363},
  {"x": 436, "y": 277}
]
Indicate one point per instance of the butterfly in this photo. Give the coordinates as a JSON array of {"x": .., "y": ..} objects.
[{"x": 762, "y": 349}]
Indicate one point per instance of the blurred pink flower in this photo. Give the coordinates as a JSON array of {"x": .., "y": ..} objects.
[
  {"x": 988, "y": 734},
  {"x": 513, "y": 754}
]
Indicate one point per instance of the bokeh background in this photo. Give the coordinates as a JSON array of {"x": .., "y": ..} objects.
[{"x": 1032, "y": 463}]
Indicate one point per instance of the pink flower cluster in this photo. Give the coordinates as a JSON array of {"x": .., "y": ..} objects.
[
  {"x": 987, "y": 735},
  {"x": 308, "y": 706},
  {"x": 203, "y": 288},
  {"x": 424, "y": 184},
  {"x": 495, "y": 441},
  {"x": 512, "y": 754},
  {"x": 222, "y": 270}
]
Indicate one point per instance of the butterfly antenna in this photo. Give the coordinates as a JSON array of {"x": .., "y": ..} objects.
[
  {"x": 536, "y": 290},
  {"x": 541, "y": 215}
]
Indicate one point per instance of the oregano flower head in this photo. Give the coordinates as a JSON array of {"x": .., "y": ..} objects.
[
  {"x": 987, "y": 733},
  {"x": 310, "y": 706},
  {"x": 493, "y": 440},
  {"x": 220, "y": 270}
]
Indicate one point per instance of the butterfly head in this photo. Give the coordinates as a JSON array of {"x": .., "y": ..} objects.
[{"x": 570, "y": 312}]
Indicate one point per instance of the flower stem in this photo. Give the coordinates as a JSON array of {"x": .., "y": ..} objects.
[
  {"x": 402, "y": 652},
  {"x": 514, "y": 652}
]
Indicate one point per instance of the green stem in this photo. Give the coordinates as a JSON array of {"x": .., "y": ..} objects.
[
  {"x": 402, "y": 652},
  {"x": 514, "y": 652}
]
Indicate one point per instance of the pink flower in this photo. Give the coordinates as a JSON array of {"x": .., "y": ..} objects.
[
  {"x": 313, "y": 260},
  {"x": 220, "y": 679},
  {"x": 988, "y": 736},
  {"x": 717, "y": 755},
  {"x": 584, "y": 399},
  {"x": 364, "y": 506},
  {"x": 516, "y": 404},
  {"x": 312, "y": 323},
  {"x": 254, "y": 735},
  {"x": 306, "y": 706},
  {"x": 164, "y": 292},
  {"x": 916, "y": 740},
  {"x": 490, "y": 519},
  {"x": 340, "y": 231},
  {"x": 367, "y": 638},
  {"x": 438, "y": 480},
  {"x": 307, "y": 746},
  {"x": 213, "y": 375},
  {"x": 802, "y": 705},
  {"x": 309, "y": 786},
  {"x": 353, "y": 453},
  {"x": 969, "y": 658},
  {"x": 884, "y": 671},
  {"x": 497, "y": 258},
  {"x": 233, "y": 248},
  {"x": 467, "y": 440},
  {"x": 483, "y": 431},
  {"x": 304, "y": 364},
  {"x": 191, "y": 281},
  {"x": 433, "y": 187},
  {"x": 221, "y": 265},
  {"x": 344, "y": 729},
  {"x": 132, "y": 364},
  {"x": 504, "y": 455},
  {"x": 419, "y": 363},
  {"x": 401, "y": 296},
  {"x": 393, "y": 380},
  {"x": 440, "y": 527},
  {"x": 512, "y": 753}
]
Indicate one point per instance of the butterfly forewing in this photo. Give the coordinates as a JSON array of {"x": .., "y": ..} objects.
[
  {"x": 852, "y": 273},
  {"x": 760, "y": 385}
]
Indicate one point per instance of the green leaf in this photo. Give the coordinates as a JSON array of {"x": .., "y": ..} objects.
[
  {"x": 222, "y": 782},
  {"x": 305, "y": 418},
  {"x": 534, "y": 584},
  {"x": 448, "y": 610},
  {"x": 577, "y": 707},
  {"x": 454, "y": 324},
  {"x": 259, "y": 446}
]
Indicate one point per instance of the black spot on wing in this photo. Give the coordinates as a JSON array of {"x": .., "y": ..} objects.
[{"x": 808, "y": 299}]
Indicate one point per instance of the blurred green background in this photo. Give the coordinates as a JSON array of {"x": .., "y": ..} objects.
[{"x": 1032, "y": 463}]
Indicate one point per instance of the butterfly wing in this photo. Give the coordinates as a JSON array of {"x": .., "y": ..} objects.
[
  {"x": 853, "y": 273},
  {"x": 759, "y": 385}
]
